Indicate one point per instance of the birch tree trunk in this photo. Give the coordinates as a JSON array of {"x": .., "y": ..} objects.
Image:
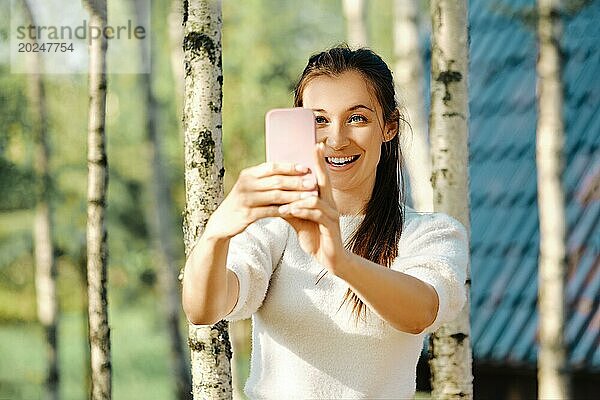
[
  {"x": 356, "y": 30},
  {"x": 45, "y": 264},
  {"x": 204, "y": 171},
  {"x": 409, "y": 81},
  {"x": 450, "y": 346},
  {"x": 160, "y": 223},
  {"x": 82, "y": 269},
  {"x": 97, "y": 250},
  {"x": 553, "y": 381}
]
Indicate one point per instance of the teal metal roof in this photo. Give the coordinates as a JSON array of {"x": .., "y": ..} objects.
[
  {"x": 503, "y": 189},
  {"x": 504, "y": 219}
]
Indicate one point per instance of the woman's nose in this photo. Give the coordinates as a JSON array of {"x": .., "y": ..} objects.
[{"x": 335, "y": 138}]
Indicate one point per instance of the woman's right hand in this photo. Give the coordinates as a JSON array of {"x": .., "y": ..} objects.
[{"x": 258, "y": 193}]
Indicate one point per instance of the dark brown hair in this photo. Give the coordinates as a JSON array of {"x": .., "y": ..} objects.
[{"x": 376, "y": 238}]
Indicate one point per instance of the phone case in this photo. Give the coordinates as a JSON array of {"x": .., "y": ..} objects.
[{"x": 291, "y": 136}]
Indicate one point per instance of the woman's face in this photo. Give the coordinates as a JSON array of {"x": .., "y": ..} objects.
[{"x": 348, "y": 119}]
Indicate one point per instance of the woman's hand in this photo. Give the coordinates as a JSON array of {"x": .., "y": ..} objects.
[
  {"x": 316, "y": 220},
  {"x": 258, "y": 193}
]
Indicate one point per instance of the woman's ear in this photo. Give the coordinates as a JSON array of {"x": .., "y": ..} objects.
[{"x": 392, "y": 127}]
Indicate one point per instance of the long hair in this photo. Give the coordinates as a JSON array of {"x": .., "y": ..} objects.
[{"x": 376, "y": 238}]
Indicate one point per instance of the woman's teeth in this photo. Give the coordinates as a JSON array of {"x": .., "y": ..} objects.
[{"x": 341, "y": 160}]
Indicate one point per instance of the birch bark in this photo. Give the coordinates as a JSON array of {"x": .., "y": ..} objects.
[
  {"x": 450, "y": 346},
  {"x": 553, "y": 381},
  {"x": 97, "y": 249},
  {"x": 210, "y": 346},
  {"x": 409, "y": 81}
]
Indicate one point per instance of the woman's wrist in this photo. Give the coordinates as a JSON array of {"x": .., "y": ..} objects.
[
  {"x": 213, "y": 231},
  {"x": 342, "y": 262},
  {"x": 214, "y": 236}
]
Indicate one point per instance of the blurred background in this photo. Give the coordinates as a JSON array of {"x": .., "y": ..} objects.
[{"x": 266, "y": 44}]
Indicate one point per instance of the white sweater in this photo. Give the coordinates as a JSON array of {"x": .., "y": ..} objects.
[{"x": 302, "y": 347}]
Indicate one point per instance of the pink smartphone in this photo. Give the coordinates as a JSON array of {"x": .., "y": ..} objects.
[{"x": 291, "y": 136}]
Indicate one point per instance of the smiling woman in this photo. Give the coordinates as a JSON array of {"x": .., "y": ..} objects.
[
  {"x": 290, "y": 255},
  {"x": 352, "y": 135}
]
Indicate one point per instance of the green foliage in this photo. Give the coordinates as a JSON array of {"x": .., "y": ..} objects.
[
  {"x": 131, "y": 259},
  {"x": 17, "y": 295},
  {"x": 16, "y": 175},
  {"x": 261, "y": 64},
  {"x": 381, "y": 30},
  {"x": 17, "y": 292},
  {"x": 13, "y": 115},
  {"x": 17, "y": 186},
  {"x": 14, "y": 246},
  {"x": 139, "y": 356},
  {"x": 266, "y": 44}
]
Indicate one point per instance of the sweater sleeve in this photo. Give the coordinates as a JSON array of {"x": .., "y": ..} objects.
[
  {"x": 434, "y": 248},
  {"x": 253, "y": 256}
]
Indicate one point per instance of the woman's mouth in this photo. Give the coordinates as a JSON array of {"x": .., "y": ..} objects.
[{"x": 341, "y": 163}]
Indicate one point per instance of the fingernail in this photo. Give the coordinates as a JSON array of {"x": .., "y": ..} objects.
[
  {"x": 308, "y": 183},
  {"x": 301, "y": 168},
  {"x": 305, "y": 195},
  {"x": 284, "y": 209}
]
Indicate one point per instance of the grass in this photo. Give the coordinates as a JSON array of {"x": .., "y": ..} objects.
[
  {"x": 139, "y": 357},
  {"x": 16, "y": 220}
]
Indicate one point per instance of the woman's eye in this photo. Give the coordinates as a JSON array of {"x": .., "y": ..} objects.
[
  {"x": 320, "y": 120},
  {"x": 357, "y": 118}
]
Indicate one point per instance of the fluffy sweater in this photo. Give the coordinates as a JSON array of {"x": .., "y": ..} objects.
[{"x": 304, "y": 346}]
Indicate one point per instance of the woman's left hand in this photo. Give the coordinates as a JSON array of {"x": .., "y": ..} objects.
[{"x": 316, "y": 220}]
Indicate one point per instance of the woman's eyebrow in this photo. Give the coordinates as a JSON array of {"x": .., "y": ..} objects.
[
  {"x": 355, "y": 107},
  {"x": 359, "y": 106}
]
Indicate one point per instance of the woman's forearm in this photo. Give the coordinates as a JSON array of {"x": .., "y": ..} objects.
[
  {"x": 206, "y": 281},
  {"x": 405, "y": 302}
]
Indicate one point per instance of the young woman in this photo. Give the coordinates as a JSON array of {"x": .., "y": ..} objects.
[{"x": 290, "y": 252}]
